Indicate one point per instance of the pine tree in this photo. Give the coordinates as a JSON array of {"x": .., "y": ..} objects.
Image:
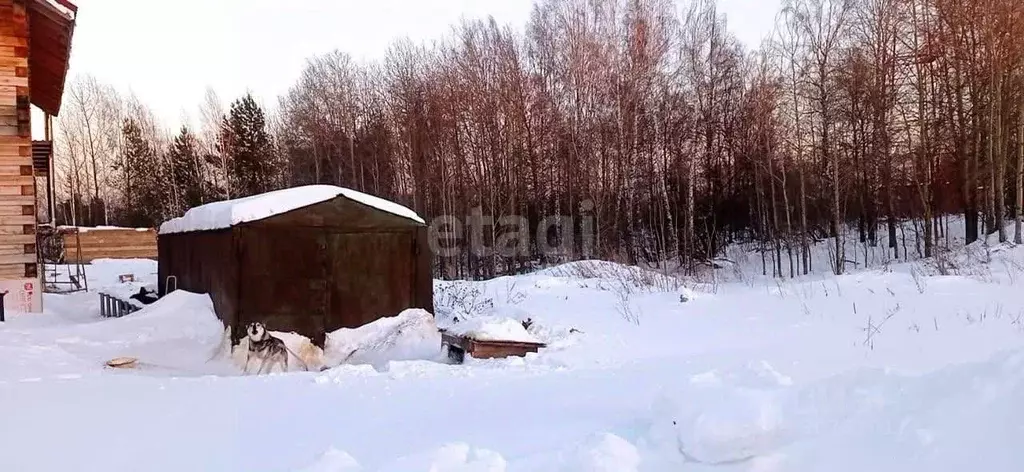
[
  {"x": 246, "y": 143},
  {"x": 140, "y": 179},
  {"x": 185, "y": 163}
]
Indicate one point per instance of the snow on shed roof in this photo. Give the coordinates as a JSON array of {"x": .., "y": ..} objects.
[{"x": 228, "y": 213}]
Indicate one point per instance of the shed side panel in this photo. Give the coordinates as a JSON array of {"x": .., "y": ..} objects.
[
  {"x": 284, "y": 280},
  {"x": 202, "y": 262},
  {"x": 372, "y": 276},
  {"x": 423, "y": 279}
]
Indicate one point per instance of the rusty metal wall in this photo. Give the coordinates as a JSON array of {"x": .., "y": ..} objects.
[
  {"x": 203, "y": 262},
  {"x": 423, "y": 282},
  {"x": 284, "y": 279},
  {"x": 372, "y": 275}
]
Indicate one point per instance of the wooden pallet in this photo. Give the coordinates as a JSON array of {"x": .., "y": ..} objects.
[{"x": 458, "y": 346}]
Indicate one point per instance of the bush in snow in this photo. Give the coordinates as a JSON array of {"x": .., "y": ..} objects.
[
  {"x": 614, "y": 276},
  {"x": 460, "y": 300}
]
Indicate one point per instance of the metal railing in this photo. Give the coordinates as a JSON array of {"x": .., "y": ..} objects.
[{"x": 112, "y": 307}]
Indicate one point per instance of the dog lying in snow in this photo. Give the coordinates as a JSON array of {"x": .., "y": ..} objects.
[
  {"x": 144, "y": 296},
  {"x": 268, "y": 351}
]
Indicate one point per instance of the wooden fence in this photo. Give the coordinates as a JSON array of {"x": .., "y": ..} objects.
[{"x": 111, "y": 243}]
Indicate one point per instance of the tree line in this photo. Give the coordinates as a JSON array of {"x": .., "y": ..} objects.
[{"x": 646, "y": 115}]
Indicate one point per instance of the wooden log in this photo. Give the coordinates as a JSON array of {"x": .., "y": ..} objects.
[
  {"x": 17, "y": 220},
  {"x": 16, "y": 239},
  {"x": 18, "y": 258},
  {"x": 18, "y": 229},
  {"x": 12, "y": 271}
]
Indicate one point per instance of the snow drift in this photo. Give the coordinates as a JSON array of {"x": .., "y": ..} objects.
[
  {"x": 891, "y": 369},
  {"x": 410, "y": 335}
]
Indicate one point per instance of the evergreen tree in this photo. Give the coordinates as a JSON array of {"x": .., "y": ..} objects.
[
  {"x": 246, "y": 143},
  {"x": 189, "y": 187},
  {"x": 140, "y": 179}
]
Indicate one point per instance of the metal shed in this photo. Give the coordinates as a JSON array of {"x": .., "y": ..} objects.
[{"x": 308, "y": 259}]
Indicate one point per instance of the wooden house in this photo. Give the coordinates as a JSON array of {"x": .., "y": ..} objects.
[
  {"x": 308, "y": 259},
  {"x": 35, "y": 44}
]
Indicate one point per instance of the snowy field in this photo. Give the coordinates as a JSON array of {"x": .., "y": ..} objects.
[{"x": 897, "y": 367}]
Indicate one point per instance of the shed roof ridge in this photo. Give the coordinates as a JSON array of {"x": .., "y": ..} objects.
[{"x": 229, "y": 213}]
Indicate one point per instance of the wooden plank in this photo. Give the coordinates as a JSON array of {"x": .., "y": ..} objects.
[
  {"x": 122, "y": 241},
  {"x": 13, "y": 251},
  {"x": 14, "y": 210},
  {"x": 100, "y": 253},
  {"x": 9, "y": 131},
  {"x": 8, "y": 160},
  {"x": 17, "y": 239},
  {"x": 16, "y": 150},
  {"x": 13, "y": 41},
  {"x": 15, "y": 271},
  {"x": 12, "y": 229},
  {"x": 11, "y": 99},
  {"x": 16, "y": 180},
  {"x": 17, "y": 220},
  {"x": 18, "y": 259},
  {"x": 12, "y": 271},
  {"x": 19, "y": 199},
  {"x": 12, "y": 191},
  {"x": 13, "y": 70},
  {"x": 15, "y": 140},
  {"x": 23, "y": 248},
  {"x": 129, "y": 242},
  {"x": 125, "y": 244},
  {"x": 15, "y": 163}
]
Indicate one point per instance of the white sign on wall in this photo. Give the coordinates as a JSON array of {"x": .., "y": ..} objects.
[{"x": 23, "y": 295}]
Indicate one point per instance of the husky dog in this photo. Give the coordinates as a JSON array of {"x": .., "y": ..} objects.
[{"x": 266, "y": 349}]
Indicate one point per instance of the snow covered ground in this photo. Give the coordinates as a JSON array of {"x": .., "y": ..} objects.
[{"x": 892, "y": 368}]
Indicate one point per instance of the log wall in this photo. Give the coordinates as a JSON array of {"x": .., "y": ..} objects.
[{"x": 17, "y": 191}]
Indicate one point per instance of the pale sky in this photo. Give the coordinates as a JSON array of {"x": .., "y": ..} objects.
[{"x": 169, "y": 52}]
